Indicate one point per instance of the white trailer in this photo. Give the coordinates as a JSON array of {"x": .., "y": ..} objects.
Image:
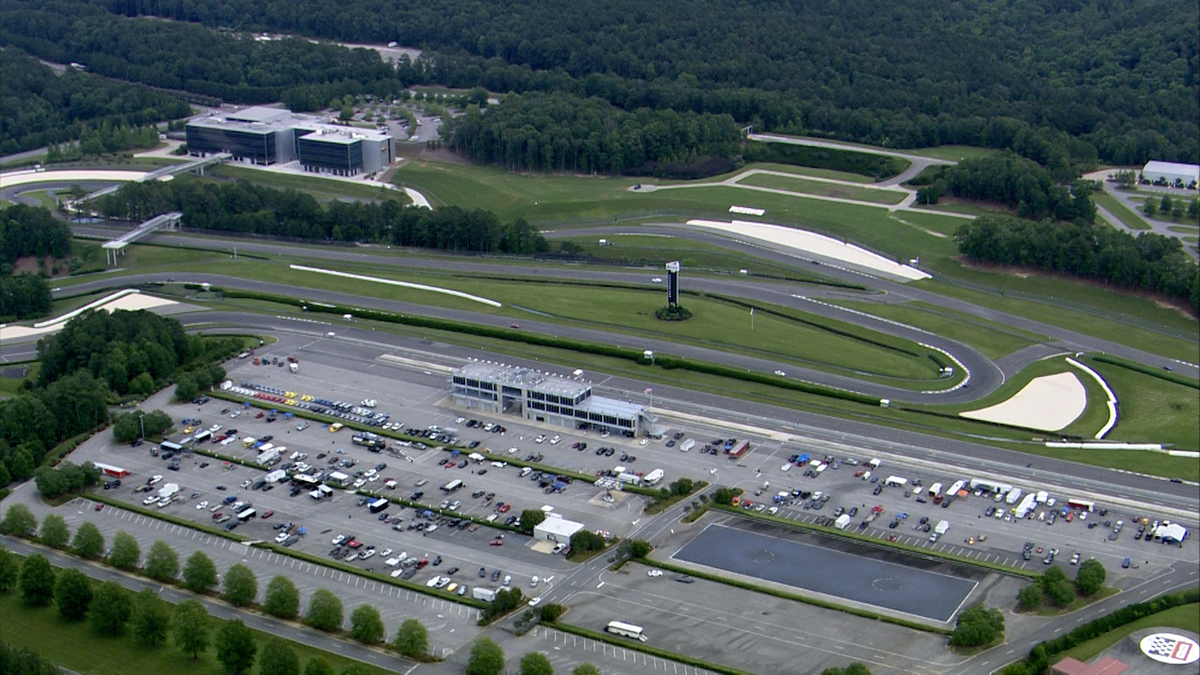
[
  {"x": 1014, "y": 495},
  {"x": 485, "y": 594},
  {"x": 942, "y": 526},
  {"x": 954, "y": 489},
  {"x": 935, "y": 489},
  {"x": 167, "y": 491},
  {"x": 653, "y": 477},
  {"x": 1027, "y": 505},
  {"x": 989, "y": 485},
  {"x": 895, "y": 481},
  {"x": 276, "y": 476},
  {"x": 687, "y": 445},
  {"x": 630, "y": 478},
  {"x": 842, "y": 522},
  {"x": 268, "y": 457},
  {"x": 1042, "y": 496}
]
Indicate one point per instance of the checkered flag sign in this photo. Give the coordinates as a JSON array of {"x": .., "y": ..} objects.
[
  {"x": 1168, "y": 648},
  {"x": 1162, "y": 645}
]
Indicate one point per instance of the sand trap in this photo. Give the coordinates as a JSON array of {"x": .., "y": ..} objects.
[
  {"x": 1050, "y": 403},
  {"x": 24, "y": 177},
  {"x": 128, "y": 299},
  {"x": 818, "y": 244}
]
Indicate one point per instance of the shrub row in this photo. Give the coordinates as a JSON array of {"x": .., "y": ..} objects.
[
  {"x": 786, "y": 595},
  {"x": 666, "y": 362},
  {"x": 810, "y": 323},
  {"x": 445, "y": 512},
  {"x": 862, "y": 538},
  {"x": 284, "y": 551},
  {"x": 1043, "y": 653},
  {"x": 637, "y": 646},
  {"x": 1147, "y": 370}
]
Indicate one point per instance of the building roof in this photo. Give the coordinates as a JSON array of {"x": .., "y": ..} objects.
[
  {"x": 345, "y": 135},
  {"x": 1104, "y": 666},
  {"x": 611, "y": 406},
  {"x": 1155, "y": 166},
  {"x": 525, "y": 378},
  {"x": 559, "y": 526},
  {"x": 258, "y": 113}
]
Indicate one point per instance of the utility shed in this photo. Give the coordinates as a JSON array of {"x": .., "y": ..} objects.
[{"x": 556, "y": 529}]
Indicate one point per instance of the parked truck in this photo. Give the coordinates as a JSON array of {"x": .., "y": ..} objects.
[
  {"x": 167, "y": 491},
  {"x": 653, "y": 477},
  {"x": 875, "y": 513},
  {"x": 294, "y": 367},
  {"x": 485, "y": 594},
  {"x": 942, "y": 527},
  {"x": 842, "y": 522}
]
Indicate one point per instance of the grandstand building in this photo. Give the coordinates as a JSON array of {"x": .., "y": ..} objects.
[
  {"x": 543, "y": 397},
  {"x": 273, "y": 136}
]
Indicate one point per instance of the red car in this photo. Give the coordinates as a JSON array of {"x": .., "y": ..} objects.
[
  {"x": 503, "y": 508},
  {"x": 259, "y": 415},
  {"x": 422, "y": 563},
  {"x": 99, "y": 506},
  {"x": 268, "y": 514}
]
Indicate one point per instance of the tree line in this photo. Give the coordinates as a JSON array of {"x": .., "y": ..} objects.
[
  {"x": 1018, "y": 183},
  {"x": 95, "y": 360},
  {"x": 1119, "y": 77},
  {"x": 1148, "y": 262},
  {"x": 39, "y": 108},
  {"x": 111, "y": 610},
  {"x": 28, "y": 231},
  {"x": 252, "y": 209},
  {"x": 562, "y": 132}
]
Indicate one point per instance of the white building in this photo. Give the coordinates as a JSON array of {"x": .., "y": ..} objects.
[
  {"x": 556, "y": 529},
  {"x": 1171, "y": 173}
]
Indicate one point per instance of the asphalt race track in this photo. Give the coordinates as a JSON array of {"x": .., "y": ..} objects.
[{"x": 828, "y": 571}]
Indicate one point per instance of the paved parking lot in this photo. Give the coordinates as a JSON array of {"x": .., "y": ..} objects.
[{"x": 891, "y": 585}]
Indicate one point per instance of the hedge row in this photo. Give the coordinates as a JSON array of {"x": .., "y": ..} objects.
[
  {"x": 445, "y": 512},
  {"x": 175, "y": 520},
  {"x": 810, "y": 323},
  {"x": 1147, "y": 370},
  {"x": 284, "y": 551},
  {"x": 1043, "y": 653},
  {"x": 786, "y": 595},
  {"x": 229, "y": 458},
  {"x": 862, "y": 538},
  {"x": 637, "y": 646},
  {"x": 526, "y": 337}
]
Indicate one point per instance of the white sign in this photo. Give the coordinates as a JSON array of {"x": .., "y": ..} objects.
[{"x": 1170, "y": 648}]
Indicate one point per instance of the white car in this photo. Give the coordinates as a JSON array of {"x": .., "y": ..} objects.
[
  {"x": 234, "y": 415},
  {"x": 536, "y": 601},
  {"x": 780, "y": 373},
  {"x": 360, "y": 482},
  {"x": 283, "y": 536},
  {"x": 786, "y": 467},
  {"x": 454, "y": 505},
  {"x": 442, "y": 582},
  {"x": 654, "y": 573},
  {"x": 374, "y": 478},
  {"x": 397, "y": 572},
  {"x": 559, "y": 548},
  {"x": 656, "y": 280},
  {"x": 246, "y": 483},
  {"x": 215, "y": 428},
  {"x": 155, "y": 480},
  {"x": 202, "y": 505},
  {"x": 367, "y": 554},
  {"x": 149, "y": 500},
  {"x": 533, "y": 582},
  {"x": 337, "y": 541},
  {"x": 540, "y": 439},
  {"x": 433, "y": 582},
  {"x": 555, "y": 440},
  {"x": 370, "y": 472},
  {"x": 385, "y": 552}
]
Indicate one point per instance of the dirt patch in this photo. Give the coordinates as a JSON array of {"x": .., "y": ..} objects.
[
  {"x": 35, "y": 265},
  {"x": 443, "y": 155}
]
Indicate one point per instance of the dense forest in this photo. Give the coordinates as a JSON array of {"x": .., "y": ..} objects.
[
  {"x": 252, "y": 209},
  {"x": 1148, "y": 262},
  {"x": 39, "y": 108},
  {"x": 1018, "y": 183},
  {"x": 1119, "y": 77},
  {"x": 28, "y": 231},
  {"x": 86, "y": 367},
  {"x": 561, "y": 132}
]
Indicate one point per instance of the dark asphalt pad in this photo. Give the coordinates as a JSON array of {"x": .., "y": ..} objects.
[{"x": 842, "y": 574}]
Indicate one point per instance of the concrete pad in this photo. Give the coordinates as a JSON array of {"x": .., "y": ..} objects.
[
  {"x": 811, "y": 242},
  {"x": 1051, "y": 402}
]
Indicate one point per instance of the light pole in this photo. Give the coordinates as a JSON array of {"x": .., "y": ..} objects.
[{"x": 142, "y": 423}]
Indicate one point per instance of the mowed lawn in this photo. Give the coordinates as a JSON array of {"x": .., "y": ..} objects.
[
  {"x": 990, "y": 339},
  {"x": 798, "y": 184},
  {"x": 75, "y": 646},
  {"x": 1185, "y": 617},
  {"x": 1153, "y": 410}
]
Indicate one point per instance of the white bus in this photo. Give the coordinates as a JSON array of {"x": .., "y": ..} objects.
[
  {"x": 452, "y": 486},
  {"x": 625, "y": 630},
  {"x": 245, "y": 515}
]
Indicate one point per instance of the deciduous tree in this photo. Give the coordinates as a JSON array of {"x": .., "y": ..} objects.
[
  {"x": 366, "y": 625},
  {"x": 162, "y": 563},
  {"x": 282, "y": 599},
  {"x": 278, "y": 658},
  {"x": 126, "y": 554},
  {"x": 72, "y": 594},
  {"x": 236, "y": 647},
  {"x": 535, "y": 663},
  {"x": 240, "y": 586},
  {"x": 151, "y": 617},
  {"x": 412, "y": 640},
  {"x": 190, "y": 626},
  {"x": 88, "y": 542},
  {"x": 37, "y": 580},
  {"x": 19, "y": 521},
  {"x": 54, "y": 531},
  {"x": 486, "y": 658},
  {"x": 110, "y": 609},
  {"x": 199, "y": 573},
  {"x": 324, "y": 611}
]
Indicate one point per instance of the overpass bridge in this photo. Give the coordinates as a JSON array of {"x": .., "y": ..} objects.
[
  {"x": 165, "y": 173},
  {"x": 116, "y": 247}
]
